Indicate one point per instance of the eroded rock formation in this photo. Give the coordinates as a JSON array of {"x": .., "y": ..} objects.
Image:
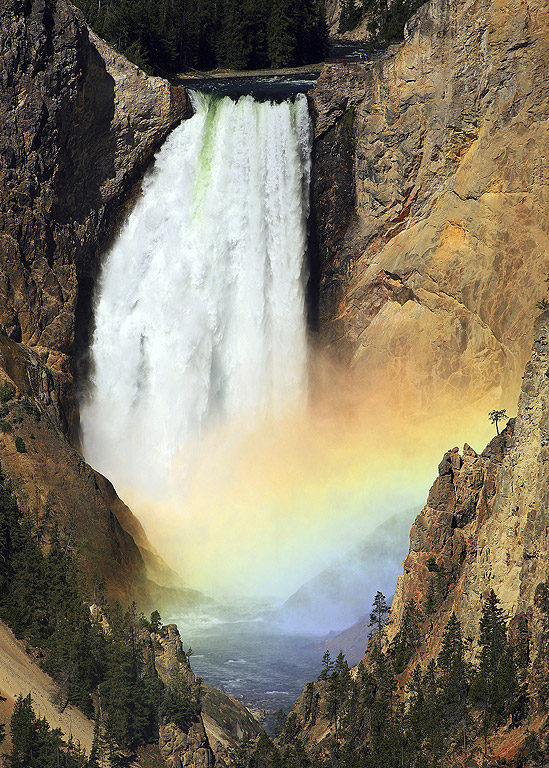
[
  {"x": 433, "y": 231},
  {"x": 484, "y": 527},
  {"x": 223, "y": 721},
  {"x": 486, "y": 519}
]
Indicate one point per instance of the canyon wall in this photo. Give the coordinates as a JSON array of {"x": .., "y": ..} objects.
[
  {"x": 431, "y": 198},
  {"x": 485, "y": 527},
  {"x": 79, "y": 125},
  {"x": 486, "y": 520}
]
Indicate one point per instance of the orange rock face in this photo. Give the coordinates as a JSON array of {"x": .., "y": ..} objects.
[
  {"x": 485, "y": 527},
  {"x": 433, "y": 239}
]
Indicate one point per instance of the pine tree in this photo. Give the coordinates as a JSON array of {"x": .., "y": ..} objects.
[
  {"x": 416, "y": 711},
  {"x": 495, "y": 680},
  {"x": 350, "y": 16},
  {"x": 327, "y": 666},
  {"x": 378, "y": 614},
  {"x": 408, "y": 638},
  {"x": 453, "y": 678},
  {"x": 156, "y": 622},
  {"x": 338, "y": 688},
  {"x": 282, "y": 34},
  {"x": 95, "y": 753},
  {"x": 34, "y": 744}
]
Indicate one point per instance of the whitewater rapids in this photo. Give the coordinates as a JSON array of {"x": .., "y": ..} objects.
[{"x": 199, "y": 315}]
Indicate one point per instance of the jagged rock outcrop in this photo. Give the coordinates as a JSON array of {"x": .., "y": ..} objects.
[
  {"x": 223, "y": 721},
  {"x": 79, "y": 123},
  {"x": 432, "y": 234},
  {"x": 182, "y": 748},
  {"x": 486, "y": 519}
]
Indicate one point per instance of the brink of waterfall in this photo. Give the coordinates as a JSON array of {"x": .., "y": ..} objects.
[{"x": 199, "y": 316}]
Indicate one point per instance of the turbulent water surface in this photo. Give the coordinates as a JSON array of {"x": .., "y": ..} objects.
[
  {"x": 242, "y": 650},
  {"x": 199, "y": 314}
]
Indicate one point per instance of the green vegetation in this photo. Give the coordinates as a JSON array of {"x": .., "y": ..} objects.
[
  {"x": 327, "y": 666},
  {"x": 495, "y": 680},
  {"x": 35, "y": 745},
  {"x": 380, "y": 609},
  {"x": 155, "y": 622},
  {"x": 7, "y": 392},
  {"x": 385, "y": 24},
  {"x": 450, "y": 705},
  {"x": 408, "y": 639},
  {"x": 41, "y": 600},
  {"x": 20, "y": 446},
  {"x": 173, "y": 35}
]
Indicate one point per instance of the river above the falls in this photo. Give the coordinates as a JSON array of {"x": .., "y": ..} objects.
[{"x": 260, "y": 87}]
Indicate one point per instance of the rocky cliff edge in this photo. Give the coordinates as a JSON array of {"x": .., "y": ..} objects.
[{"x": 485, "y": 527}]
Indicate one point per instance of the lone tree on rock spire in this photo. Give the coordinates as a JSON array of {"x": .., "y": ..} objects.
[{"x": 496, "y": 416}]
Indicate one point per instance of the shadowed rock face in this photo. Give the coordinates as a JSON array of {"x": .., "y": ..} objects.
[
  {"x": 78, "y": 125},
  {"x": 432, "y": 235}
]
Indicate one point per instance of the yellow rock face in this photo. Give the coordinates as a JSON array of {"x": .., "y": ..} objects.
[{"x": 434, "y": 284}]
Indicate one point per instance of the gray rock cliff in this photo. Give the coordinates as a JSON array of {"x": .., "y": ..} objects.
[{"x": 79, "y": 124}]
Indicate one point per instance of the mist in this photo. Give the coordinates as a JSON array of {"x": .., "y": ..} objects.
[{"x": 256, "y": 512}]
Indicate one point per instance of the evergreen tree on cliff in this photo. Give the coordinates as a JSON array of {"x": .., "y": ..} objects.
[
  {"x": 495, "y": 680},
  {"x": 34, "y": 744},
  {"x": 380, "y": 609},
  {"x": 454, "y": 677}
]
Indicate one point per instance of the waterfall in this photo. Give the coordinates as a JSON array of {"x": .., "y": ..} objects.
[{"x": 199, "y": 316}]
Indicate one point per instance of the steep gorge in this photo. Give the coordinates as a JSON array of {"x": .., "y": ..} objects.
[
  {"x": 484, "y": 527},
  {"x": 430, "y": 208},
  {"x": 79, "y": 126},
  {"x": 429, "y": 196}
]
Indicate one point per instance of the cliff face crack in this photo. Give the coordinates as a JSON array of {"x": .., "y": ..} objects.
[{"x": 474, "y": 314}]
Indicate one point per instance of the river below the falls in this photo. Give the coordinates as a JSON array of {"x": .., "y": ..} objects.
[{"x": 244, "y": 651}]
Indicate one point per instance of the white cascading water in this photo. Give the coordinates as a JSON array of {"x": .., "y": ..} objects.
[{"x": 199, "y": 311}]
